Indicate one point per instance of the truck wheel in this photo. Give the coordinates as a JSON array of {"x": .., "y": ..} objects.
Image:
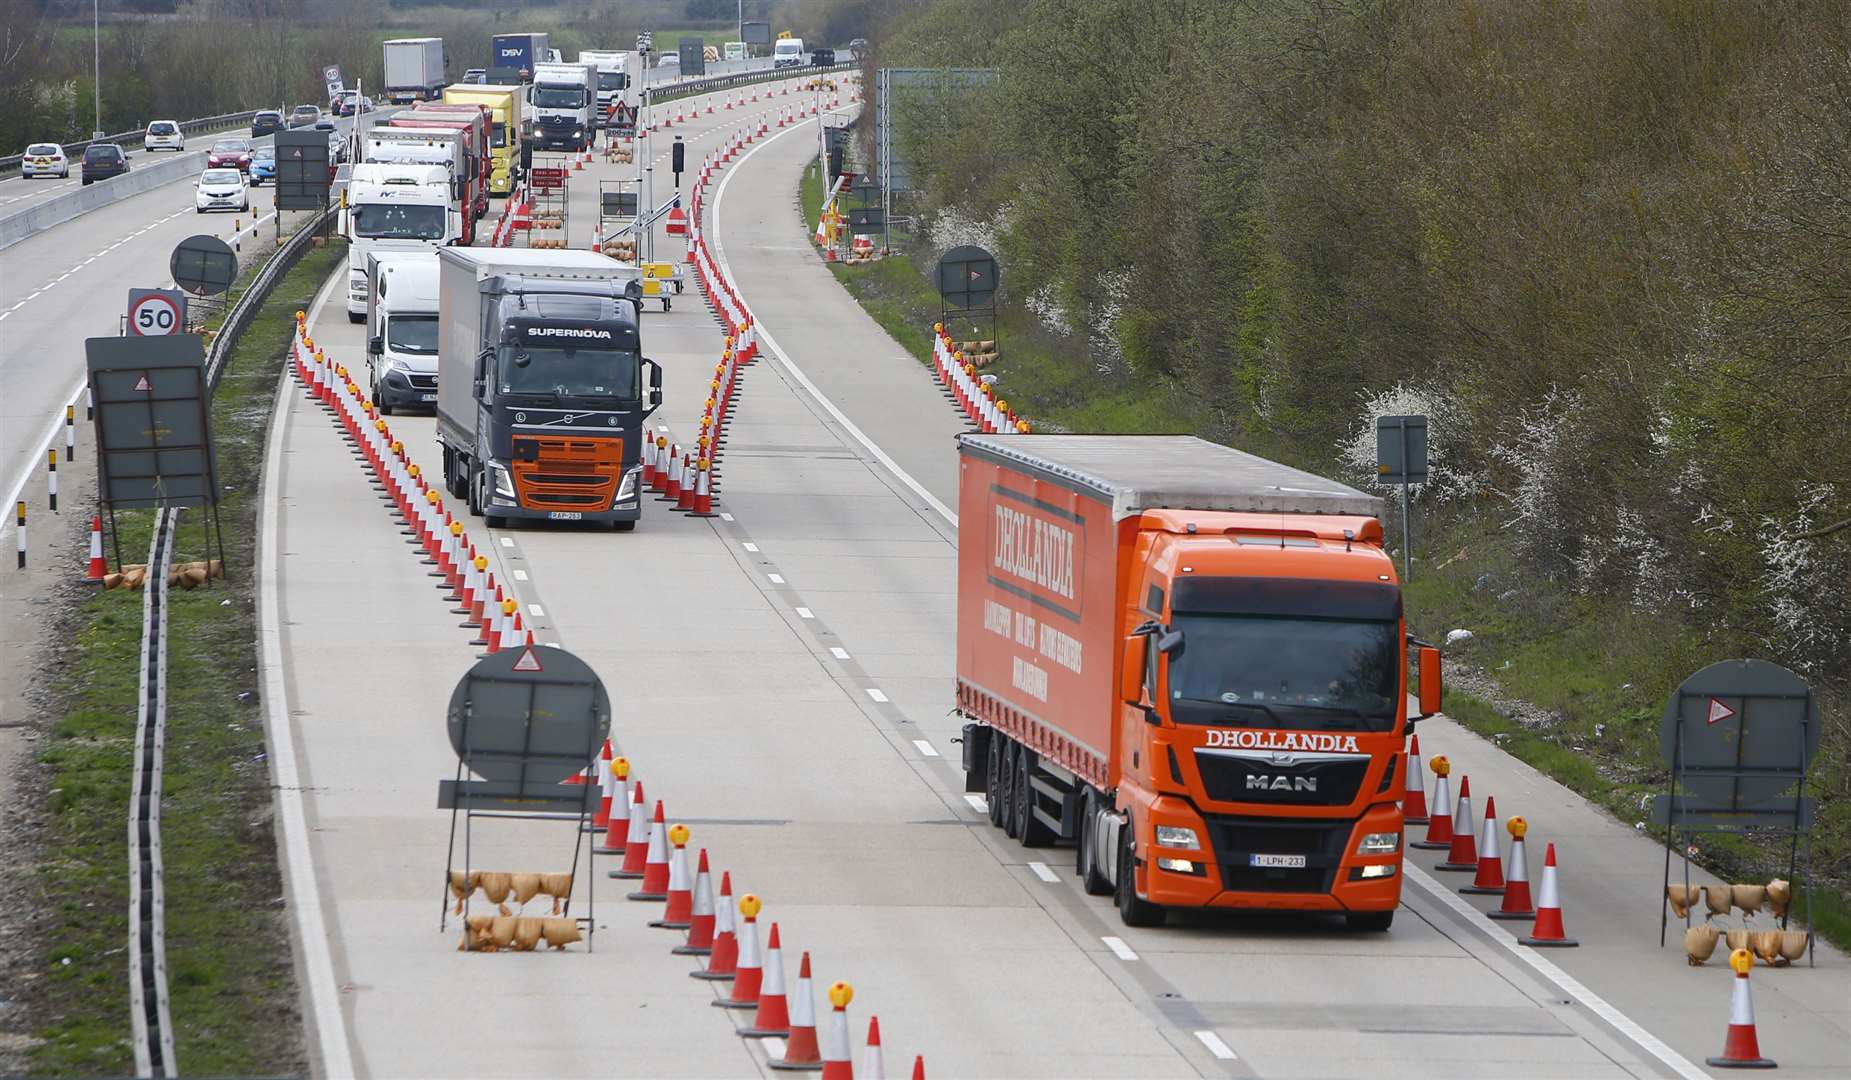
[
  {"x": 1086, "y": 863},
  {"x": 1028, "y": 827},
  {"x": 1372, "y": 922},
  {"x": 475, "y": 497},
  {"x": 993, "y": 778},
  {"x": 1005, "y": 789},
  {"x": 1133, "y": 910}
]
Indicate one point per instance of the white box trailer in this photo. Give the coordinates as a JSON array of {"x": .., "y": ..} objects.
[{"x": 414, "y": 69}]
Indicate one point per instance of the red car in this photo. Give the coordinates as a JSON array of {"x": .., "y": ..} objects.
[{"x": 230, "y": 154}]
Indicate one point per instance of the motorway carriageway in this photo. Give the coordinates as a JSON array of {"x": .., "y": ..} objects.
[{"x": 781, "y": 677}]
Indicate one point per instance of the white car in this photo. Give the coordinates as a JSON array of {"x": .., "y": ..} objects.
[
  {"x": 163, "y": 135},
  {"x": 669, "y": 60},
  {"x": 44, "y": 159},
  {"x": 221, "y": 189}
]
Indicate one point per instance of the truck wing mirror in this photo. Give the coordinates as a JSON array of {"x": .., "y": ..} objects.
[
  {"x": 1131, "y": 673},
  {"x": 482, "y": 372},
  {"x": 1429, "y": 681},
  {"x": 376, "y": 345}
]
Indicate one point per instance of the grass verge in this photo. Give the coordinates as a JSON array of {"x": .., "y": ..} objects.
[
  {"x": 230, "y": 977},
  {"x": 1598, "y": 669}
]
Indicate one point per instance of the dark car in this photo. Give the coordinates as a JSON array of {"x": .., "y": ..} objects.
[
  {"x": 267, "y": 122},
  {"x": 823, "y": 58},
  {"x": 104, "y": 160},
  {"x": 351, "y": 103}
]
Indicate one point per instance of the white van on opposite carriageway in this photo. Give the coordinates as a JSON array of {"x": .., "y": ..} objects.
[{"x": 788, "y": 53}]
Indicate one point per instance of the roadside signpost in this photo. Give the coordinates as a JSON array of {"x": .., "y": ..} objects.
[
  {"x": 1401, "y": 458},
  {"x": 1739, "y": 737},
  {"x": 522, "y": 722},
  {"x": 156, "y": 312},
  {"x": 967, "y": 284}
]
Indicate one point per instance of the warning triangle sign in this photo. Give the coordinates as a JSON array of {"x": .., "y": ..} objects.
[
  {"x": 1719, "y": 712},
  {"x": 528, "y": 661},
  {"x": 141, "y": 384}
]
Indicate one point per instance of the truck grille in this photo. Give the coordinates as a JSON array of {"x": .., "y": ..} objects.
[
  {"x": 422, "y": 382},
  {"x": 566, "y": 473},
  {"x": 1234, "y": 839},
  {"x": 1329, "y": 782}
]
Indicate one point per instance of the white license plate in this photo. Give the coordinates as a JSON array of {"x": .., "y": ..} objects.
[
  {"x": 427, "y": 397},
  {"x": 1293, "y": 862},
  {"x": 575, "y": 515}
]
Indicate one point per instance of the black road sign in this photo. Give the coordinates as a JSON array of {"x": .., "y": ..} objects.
[
  {"x": 302, "y": 173},
  {"x": 204, "y": 265},
  {"x": 693, "y": 56},
  {"x": 1401, "y": 449},
  {"x": 967, "y": 278},
  {"x": 755, "y": 33},
  {"x": 1740, "y": 732},
  {"x": 523, "y": 720},
  {"x": 870, "y": 217},
  {"x": 153, "y": 438}
]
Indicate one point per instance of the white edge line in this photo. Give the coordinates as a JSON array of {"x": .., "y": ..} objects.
[
  {"x": 1040, "y": 868},
  {"x": 1216, "y": 1046},
  {"x": 784, "y": 361},
  {"x": 1563, "y": 981},
  {"x": 298, "y": 864},
  {"x": 1119, "y": 948}
]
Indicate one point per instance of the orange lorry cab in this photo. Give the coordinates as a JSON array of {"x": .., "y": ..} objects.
[{"x": 1192, "y": 663}]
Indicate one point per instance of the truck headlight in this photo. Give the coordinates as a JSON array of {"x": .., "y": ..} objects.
[
  {"x": 504, "y": 484},
  {"x": 1178, "y": 866},
  {"x": 1380, "y": 870},
  {"x": 627, "y": 490},
  {"x": 1379, "y": 843},
  {"x": 1175, "y": 836}
]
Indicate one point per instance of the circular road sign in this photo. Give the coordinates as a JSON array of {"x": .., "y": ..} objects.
[
  {"x": 154, "y": 315},
  {"x": 204, "y": 264},
  {"x": 967, "y": 278},
  {"x": 1749, "y": 727},
  {"x": 532, "y": 715}
]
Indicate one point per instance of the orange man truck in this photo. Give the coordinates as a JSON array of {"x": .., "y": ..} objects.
[{"x": 1191, "y": 662}]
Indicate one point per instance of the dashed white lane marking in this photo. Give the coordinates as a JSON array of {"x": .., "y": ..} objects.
[
  {"x": 775, "y": 579},
  {"x": 1123, "y": 952},
  {"x": 726, "y": 517},
  {"x": 876, "y": 695},
  {"x": 981, "y": 805},
  {"x": 507, "y": 541},
  {"x": 1040, "y": 868},
  {"x": 749, "y": 546},
  {"x": 1216, "y": 1046},
  {"x": 774, "y": 1048},
  {"x": 536, "y": 611},
  {"x": 838, "y": 652},
  {"x": 520, "y": 575},
  {"x": 805, "y": 613},
  {"x": 926, "y": 748}
]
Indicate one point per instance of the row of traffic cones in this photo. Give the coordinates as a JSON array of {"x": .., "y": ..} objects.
[
  {"x": 1449, "y": 829},
  {"x": 974, "y": 395}
]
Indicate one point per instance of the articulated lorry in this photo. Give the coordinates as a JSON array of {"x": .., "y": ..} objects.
[
  {"x": 513, "y": 57},
  {"x": 431, "y": 146},
  {"x": 1192, "y": 663},
  {"x": 542, "y": 387},
  {"x": 414, "y": 69},
  {"x": 612, "y": 68},
  {"x": 563, "y": 98},
  {"x": 503, "y": 104},
  {"x": 394, "y": 207},
  {"x": 473, "y": 122}
]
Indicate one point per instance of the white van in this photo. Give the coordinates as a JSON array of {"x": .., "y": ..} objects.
[
  {"x": 401, "y": 329},
  {"x": 788, "y": 53},
  {"x": 735, "y": 50}
]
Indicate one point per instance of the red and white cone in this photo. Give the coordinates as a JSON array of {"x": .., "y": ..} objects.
[
  {"x": 873, "y": 1066},
  {"x": 1740, "y": 1048},
  {"x": 748, "y": 973},
  {"x": 636, "y": 838},
  {"x": 801, "y": 1050},
  {"x": 1462, "y": 853},
  {"x": 606, "y": 790},
  {"x": 679, "y": 914},
  {"x": 1440, "y": 821},
  {"x": 723, "y": 961},
  {"x": 773, "y": 1018},
  {"x": 1489, "y": 881},
  {"x": 1516, "y": 903},
  {"x": 655, "y": 864},
  {"x": 98, "y": 565},
  {"x": 617, "y": 828},
  {"x": 918, "y": 1067},
  {"x": 836, "y": 1062},
  {"x": 1414, "y": 802},
  {"x": 700, "y": 914},
  {"x": 1548, "y": 930}
]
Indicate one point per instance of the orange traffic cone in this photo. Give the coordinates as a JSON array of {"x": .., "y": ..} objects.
[
  {"x": 679, "y": 915},
  {"x": 655, "y": 865},
  {"x": 800, "y": 1047},
  {"x": 1440, "y": 823},
  {"x": 873, "y": 1067},
  {"x": 1414, "y": 802},
  {"x": 636, "y": 838},
  {"x": 601, "y": 770},
  {"x": 99, "y": 567},
  {"x": 1462, "y": 856},
  {"x": 1516, "y": 903},
  {"x": 1548, "y": 930},
  {"x": 748, "y": 973},
  {"x": 836, "y": 1063},
  {"x": 773, "y": 1017},
  {"x": 700, "y": 915},
  {"x": 723, "y": 961},
  {"x": 1490, "y": 877},
  {"x": 1740, "y": 1048}
]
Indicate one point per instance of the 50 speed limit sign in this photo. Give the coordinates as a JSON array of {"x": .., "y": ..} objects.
[{"x": 156, "y": 312}]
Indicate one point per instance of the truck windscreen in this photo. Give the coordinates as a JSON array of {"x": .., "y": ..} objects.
[
  {"x": 392, "y": 221},
  {"x": 498, "y": 134},
  {"x": 416, "y": 334},
  {"x": 1273, "y": 671},
  {"x": 568, "y": 371},
  {"x": 558, "y": 97},
  {"x": 613, "y": 80}
]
